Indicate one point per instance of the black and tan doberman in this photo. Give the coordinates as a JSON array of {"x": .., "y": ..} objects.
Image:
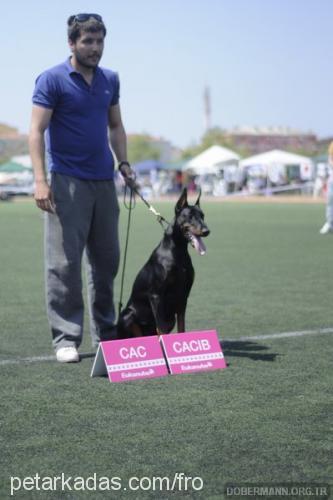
[{"x": 161, "y": 289}]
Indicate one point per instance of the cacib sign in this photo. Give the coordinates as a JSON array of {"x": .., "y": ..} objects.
[{"x": 193, "y": 351}]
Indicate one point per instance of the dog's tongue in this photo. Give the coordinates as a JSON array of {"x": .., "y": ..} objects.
[{"x": 198, "y": 244}]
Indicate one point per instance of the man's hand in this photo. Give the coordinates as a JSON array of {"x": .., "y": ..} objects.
[
  {"x": 129, "y": 176},
  {"x": 44, "y": 197}
]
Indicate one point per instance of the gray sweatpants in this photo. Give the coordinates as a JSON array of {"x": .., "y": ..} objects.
[{"x": 86, "y": 219}]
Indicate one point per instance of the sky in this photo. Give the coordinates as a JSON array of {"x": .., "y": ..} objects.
[{"x": 266, "y": 62}]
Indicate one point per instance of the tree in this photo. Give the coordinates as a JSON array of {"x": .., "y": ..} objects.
[{"x": 141, "y": 147}]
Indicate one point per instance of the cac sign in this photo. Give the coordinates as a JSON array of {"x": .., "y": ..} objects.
[
  {"x": 130, "y": 359},
  {"x": 193, "y": 352}
]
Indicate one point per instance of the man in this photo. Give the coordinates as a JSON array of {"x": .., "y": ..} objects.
[
  {"x": 76, "y": 103},
  {"x": 328, "y": 226}
]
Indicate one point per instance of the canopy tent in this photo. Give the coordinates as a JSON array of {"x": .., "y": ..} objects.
[
  {"x": 212, "y": 160},
  {"x": 174, "y": 166},
  {"x": 275, "y": 163},
  {"x": 12, "y": 167},
  {"x": 146, "y": 166},
  {"x": 24, "y": 160},
  {"x": 323, "y": 158},
  {"x": 15, "y": 173}
]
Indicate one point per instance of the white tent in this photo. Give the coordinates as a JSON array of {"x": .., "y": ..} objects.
[
  {"x": 274, "y": 164},
  {"x": 24, "y": 160},
  {"x": 212, "y": 160}
]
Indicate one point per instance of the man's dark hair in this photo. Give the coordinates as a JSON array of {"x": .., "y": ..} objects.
[{"x": 76, "y": 28}]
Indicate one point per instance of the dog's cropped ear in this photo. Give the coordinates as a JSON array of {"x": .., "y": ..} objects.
[
  {"x": 182, "y": 202},
  {"x": 198, "y": 200}
]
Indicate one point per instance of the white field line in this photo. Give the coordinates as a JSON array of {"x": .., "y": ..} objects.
[
  {"x": 281, "y": 335},
  {"x": 37, "y": 359}
]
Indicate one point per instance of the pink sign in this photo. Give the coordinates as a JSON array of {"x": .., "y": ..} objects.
[
  {"x": 193, "y": 351},
  {"x": 130, "y": 359}
]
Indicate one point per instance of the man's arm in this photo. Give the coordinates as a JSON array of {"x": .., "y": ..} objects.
[
  {"x": 119, "y": 141},
  {"x": 117, "y": 133},
  {"x": 40, "y": 119}
]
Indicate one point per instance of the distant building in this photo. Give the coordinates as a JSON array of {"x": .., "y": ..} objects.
[{"x": 256, "y": 140}]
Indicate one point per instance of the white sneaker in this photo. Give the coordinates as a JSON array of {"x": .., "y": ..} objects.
[
  {"x": 67, "y": 355},
  {"x": 326, "y": 229}
]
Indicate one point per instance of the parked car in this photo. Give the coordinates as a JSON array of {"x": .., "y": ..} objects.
[{"x": 7, "y": 191}]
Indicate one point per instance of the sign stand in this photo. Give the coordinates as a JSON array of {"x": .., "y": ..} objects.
[{"x": 99, "y": 366}]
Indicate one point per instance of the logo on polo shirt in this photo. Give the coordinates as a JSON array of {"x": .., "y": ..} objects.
[{"x": 106, "y": 92}]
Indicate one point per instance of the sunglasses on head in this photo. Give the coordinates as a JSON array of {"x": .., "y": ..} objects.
[{"x": 81, "y": 18}]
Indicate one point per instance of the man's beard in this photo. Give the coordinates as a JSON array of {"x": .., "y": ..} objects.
[{"x": 87, "y": 62}]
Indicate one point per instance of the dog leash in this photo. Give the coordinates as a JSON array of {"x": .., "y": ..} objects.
[
  {"x": 130, "y": 207},
  {"x": 159, "y": 217}
]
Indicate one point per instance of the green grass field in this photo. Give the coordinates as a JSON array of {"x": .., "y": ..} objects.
[{"x": 267, "y": 418}]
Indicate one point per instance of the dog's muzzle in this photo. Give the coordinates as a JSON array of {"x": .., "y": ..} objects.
[{"x": 196, "y": 240}]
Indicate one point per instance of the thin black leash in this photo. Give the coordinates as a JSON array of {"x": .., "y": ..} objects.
[
  {"x": 130, "y": 206},
  {"x": 159, "y": 217}
]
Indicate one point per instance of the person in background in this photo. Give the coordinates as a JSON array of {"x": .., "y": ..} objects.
[
  {"x": 328, "y": 226},
  {"x": 320, "y": 180},
  {"x": 77, "y": 103}
]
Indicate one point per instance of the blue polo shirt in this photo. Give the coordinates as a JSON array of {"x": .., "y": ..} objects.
[{"x": 77, "y": 137}]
